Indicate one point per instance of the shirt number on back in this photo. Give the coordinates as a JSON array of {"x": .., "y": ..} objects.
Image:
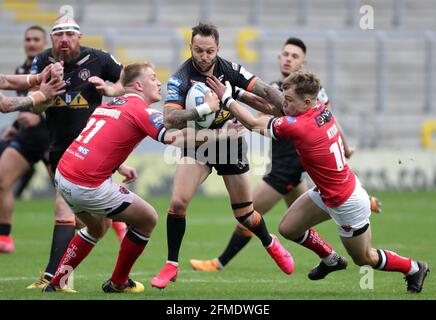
[
  {"x": 337, "y": 148},
  {"x": 97, "y": 126}
]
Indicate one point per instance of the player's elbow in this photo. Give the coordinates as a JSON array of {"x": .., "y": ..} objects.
[{"x": 171, "y": 123}]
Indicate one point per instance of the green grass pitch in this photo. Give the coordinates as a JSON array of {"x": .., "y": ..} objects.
[{"x": 407, "y": 225}]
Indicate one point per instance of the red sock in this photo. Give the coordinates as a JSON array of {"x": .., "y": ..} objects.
[
  {"x": 313, "y": 241},
  {"x": 120, "y": 229},
  {"x": 390, "y": 261},
  {"x": 132, "y": 246},
  {"x": 78, "y": 248}
]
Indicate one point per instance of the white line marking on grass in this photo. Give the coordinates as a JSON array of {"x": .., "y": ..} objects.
[{"x": 148, "y": 274}]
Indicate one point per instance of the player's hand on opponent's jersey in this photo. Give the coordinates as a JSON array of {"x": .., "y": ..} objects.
[
  {"x": 53, "y": 70},
  {"x": 9, "y": 134},
  {"x": 102, "y": 87},
  {"x": 212, "y": 100},
  {"x": 224, "y": 92},
  {"x": 28, "y": 119},
  {"x": 129, "y": 173},
  {"x": 349, "y": 151},
  {"x": 57, "y": 71},
  {"x": 48, "y": 90}
]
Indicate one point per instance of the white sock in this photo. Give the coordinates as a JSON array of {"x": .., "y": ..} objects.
[
  {"x": 220, "y": 265},
  {"x": 331, "y": 260},
  {"x": 414, "y": 268},
  {"x": 176, "y": 264}
]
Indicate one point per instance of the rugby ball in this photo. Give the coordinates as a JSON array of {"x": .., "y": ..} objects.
[{"x": 194, "y": 98}]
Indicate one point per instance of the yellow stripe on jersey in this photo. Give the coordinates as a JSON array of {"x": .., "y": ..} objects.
[{"x": 70, "y": 100}]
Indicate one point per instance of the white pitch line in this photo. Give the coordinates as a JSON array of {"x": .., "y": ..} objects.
[{"x": 186, "y": 280}]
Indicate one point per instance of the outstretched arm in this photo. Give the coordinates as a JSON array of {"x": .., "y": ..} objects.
[
  {"x": 36, "y": 100},
  {"x": 256, "y": 102},
  {"x": 26, "y": 81},
  {"x": 259, "y": 124},
  {"x": 269, "y": 93},
  {"x": 105, "y": 89}
]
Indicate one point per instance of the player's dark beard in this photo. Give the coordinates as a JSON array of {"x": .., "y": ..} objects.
[
  {"x": 201, "y": 70},
  {"x": 67, "y": 58}
]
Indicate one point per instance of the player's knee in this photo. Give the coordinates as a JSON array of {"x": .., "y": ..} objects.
[
  {"x": 4, "y": 185},
  {"x": 288, "y": 231},
  {"x": 362, "y": 259},
  {"x": 179, "y": 205},
  {"x": 64, "y": 214},
  {"x": 152, "y": 218},
  {"x": 97, "y": 231}
]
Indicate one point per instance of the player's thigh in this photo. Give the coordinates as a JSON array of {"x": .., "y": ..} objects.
[
  {"x": 97, "y": 226},
  {"x": 139, "y": 214},
  {"x": 238, "y": 187},
  {"x": 12, "y": 167},
  {"x": 189, "y": 175},
  {"x": 293, "y": 195},
  {"x": 62, "y": 209},
  {"x": 300, "y": 216},
  {"x": 265, "y": 197}
]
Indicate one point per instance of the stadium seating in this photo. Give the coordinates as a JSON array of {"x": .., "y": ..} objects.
[{"x": 143, "y": 31}]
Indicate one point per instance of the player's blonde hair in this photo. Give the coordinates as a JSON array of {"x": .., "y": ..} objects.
[
  {"x": 304, "y": 83},
  {"x": 131, "y": 72}
]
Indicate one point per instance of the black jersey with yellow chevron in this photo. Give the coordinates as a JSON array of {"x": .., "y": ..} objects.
[
  {"x": 69, "y": 111},
  {"x": 181, "y": 81}
]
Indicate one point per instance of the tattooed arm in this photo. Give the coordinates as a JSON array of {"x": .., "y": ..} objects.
[
  {"x": 177, "y": 119},
  {"x": 26, "y": 81},
  {"x": 11, "y": 104},
  {"x": 36, "y": 101},
  {"x": 269, "y": 93},
  {"x": 15, "y": 82}
]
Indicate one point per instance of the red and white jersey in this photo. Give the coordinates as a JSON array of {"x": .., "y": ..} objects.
[
  {"x": 321, "y": 151},
  {"x": 110, "y": 135}
]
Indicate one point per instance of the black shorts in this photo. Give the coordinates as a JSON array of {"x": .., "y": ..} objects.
[
  {"x": 226, "y": 156},
  {"x": 32, "y": 153},
  {"x": 285, "y": 171},
  {"x": 32, "y": 143},
  {"x": 53, "y": 158}
]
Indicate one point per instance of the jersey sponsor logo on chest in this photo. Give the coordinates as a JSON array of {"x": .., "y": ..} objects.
[
  {"x": 72, "y": 99},
  {"x": 324, "y": 117}
]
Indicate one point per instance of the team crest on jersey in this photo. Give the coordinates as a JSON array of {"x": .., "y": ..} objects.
[
  {"x": 72, "y": 99},
  {"x": 84, "y": 74},
  {"x": 278, "y": 122},
  {"x": 324, "y": 117},
  {"x": 117, "y": 102}
]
